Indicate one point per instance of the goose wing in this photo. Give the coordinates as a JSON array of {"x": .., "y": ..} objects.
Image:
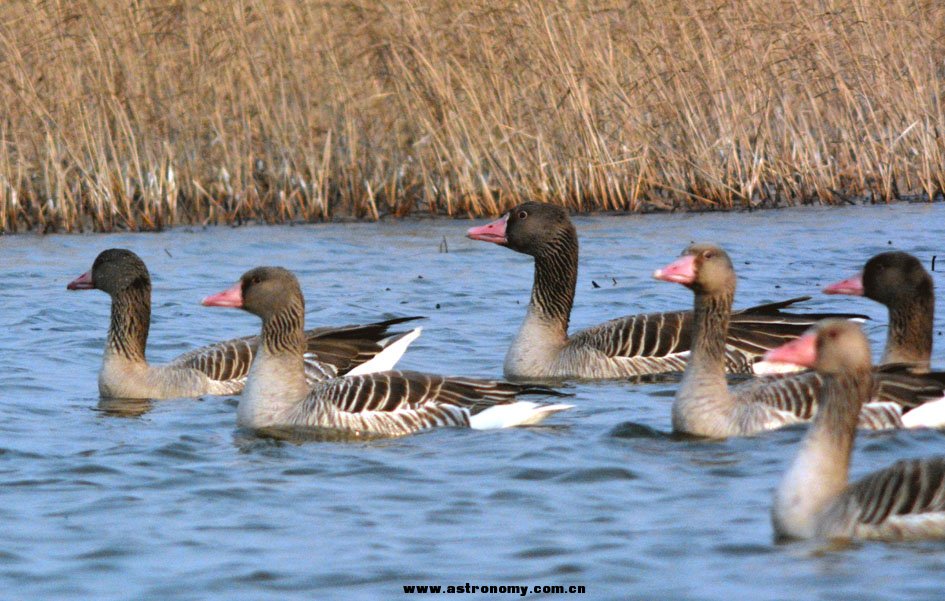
[
  {"x": 761, "y": 328},
  {"x": 660, "y": 342},
  {"x": 395, "y": 403},
  {"x": 226, "y": 361},
  {"x": 393, "y": 391},
  {"x": 346, "y": 347},
  {"x": 331, "y": 351},
  {"x": 898, "y": 383},
  {"x": 905, "y": 500},
  {"x": 893, "y": 394},
  {"x": 795, "y": 394},
  {"x": 644, "y": 335}
]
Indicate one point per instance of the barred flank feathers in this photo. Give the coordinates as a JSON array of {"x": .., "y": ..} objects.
[{"x": 395, "y": 403}]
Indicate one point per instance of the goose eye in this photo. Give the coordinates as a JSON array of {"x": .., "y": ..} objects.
[
  {"x": 522, "y": 214},
  {"x": 708, "y": 254}
]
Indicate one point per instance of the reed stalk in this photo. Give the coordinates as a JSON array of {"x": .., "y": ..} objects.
[{"x": 145, "y": 114}]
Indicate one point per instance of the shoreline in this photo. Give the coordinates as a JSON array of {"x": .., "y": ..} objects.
[{"x": 421, "y": 216}]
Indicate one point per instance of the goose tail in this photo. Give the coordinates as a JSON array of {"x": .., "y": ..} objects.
[{"x": 519, "y": 413}]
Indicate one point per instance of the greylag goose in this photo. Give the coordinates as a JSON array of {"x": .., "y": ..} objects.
[
  {"x": 628, "y": 346},
  {"x": 391, "y": 403},
  {"x": 705, "y": 406},
  {"x": 898, "y": 280},
  {"x": 814, "y": 499},
  {"x": 219, "y": 368}
]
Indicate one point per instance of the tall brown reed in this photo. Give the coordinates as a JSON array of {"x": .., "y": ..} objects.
[{"x": 142, "y": 114}]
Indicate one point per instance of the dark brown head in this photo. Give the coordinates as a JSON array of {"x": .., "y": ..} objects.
[
  {"x": 832, "y": 347},
  {"x": 114, "y": 271},
  {"x": 263, "y": 291},
  {"x": 890, "y": 278},
  {"x": 532, "y": 228},
  {"x": 704, "y": 268}
]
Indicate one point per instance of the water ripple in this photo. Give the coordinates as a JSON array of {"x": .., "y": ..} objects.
[{"x": 169, "y": 500}]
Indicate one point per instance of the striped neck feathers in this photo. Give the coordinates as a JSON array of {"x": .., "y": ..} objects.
[
  {"x": 838, "y": 408},
  {"x": 556, "y": 278},
  {"x": 130, "y": 321},
  {"x": 276, "y": 381},
  {"x": 825, "y": 452},
  {"x": 283, "y": 332},
  {"x": 909, "y": 336},
  {"x": 819, "y": 472},
  {"x": 703, "y": 403},
  {"x": 711, "y": 315}
]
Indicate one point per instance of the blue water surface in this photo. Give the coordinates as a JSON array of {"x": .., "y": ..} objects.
[{"x": 169, "y": 500}]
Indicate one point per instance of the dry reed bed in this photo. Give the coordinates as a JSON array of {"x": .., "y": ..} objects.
[{"x": 142, "y": 114}]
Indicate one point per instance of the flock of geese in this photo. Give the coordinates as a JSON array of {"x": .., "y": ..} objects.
[{"x": 812, "y": 368}]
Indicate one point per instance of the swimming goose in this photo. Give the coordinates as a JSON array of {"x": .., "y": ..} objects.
[
  {"x": 705, "y": 406},
  {"x": 814, "y": 499},
  {"x": 628, "y": 346},
  {"x": 390, "y": 403},
  {"x": 898, "y": 280},
  {"x": 219, "y": 368}
]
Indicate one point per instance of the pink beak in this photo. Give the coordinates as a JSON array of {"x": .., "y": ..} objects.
[
  {"x": 852, "y": 286},
  {"x": 492, "y": 232},
  {"x": 681, "y": 271},
  {"x": 231, "y": 297},
  {"x": 800, "y": 351},
  {"x": 83, "y": 282}
]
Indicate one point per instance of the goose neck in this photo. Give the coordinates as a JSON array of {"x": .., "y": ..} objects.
[
  {"x": 711, "y": 316},
  {"x": 820, "y": 471},
  {"x": 555, "y": 280},
  {"x": 130, "y": 323},
  {"x": 838, "y": 410},
  {"x": 283, "y": 331},
  {"x": 909, "y": 336},
  {"x": 276, "y": 381}
]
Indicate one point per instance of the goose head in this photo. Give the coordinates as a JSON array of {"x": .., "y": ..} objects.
[
  {"x": 704, "y": 268},
  {"x": 532, "y": 228},
  {"x": 832, "y": 347},
  {"x": 114, "y": 271},
  {"x": 889, "y": 278},
  {"x": 263, "y": 291}
]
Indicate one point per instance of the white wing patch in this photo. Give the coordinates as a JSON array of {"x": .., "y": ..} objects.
[
  {"x": 387, "y": 358},
  {"x": 926, "y": 415},
  {"x": 778, "y": 418},
  {"x": 765, "y": 368},
  {"x": 520, "y": 413}
]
